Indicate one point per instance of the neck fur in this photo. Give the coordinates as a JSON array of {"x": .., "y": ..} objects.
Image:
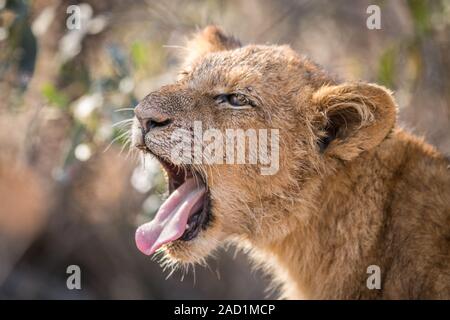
[{"x": 339, "y": 231}]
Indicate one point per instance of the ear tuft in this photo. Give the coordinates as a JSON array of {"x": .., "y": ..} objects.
[
  {"x": 356, "y": 118},
  {"x": 210, "y": 39}
]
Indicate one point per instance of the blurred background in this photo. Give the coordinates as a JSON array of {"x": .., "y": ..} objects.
[{"x": 71, "y": 193}]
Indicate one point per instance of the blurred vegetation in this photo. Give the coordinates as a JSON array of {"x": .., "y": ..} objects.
[{"x": 66, "y": 97}]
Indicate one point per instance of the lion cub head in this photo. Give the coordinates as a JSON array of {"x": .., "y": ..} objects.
[{"x": 242, "y": 135}]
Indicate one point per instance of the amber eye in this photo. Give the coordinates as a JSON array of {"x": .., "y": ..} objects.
[{"x": 234, "y": 99}]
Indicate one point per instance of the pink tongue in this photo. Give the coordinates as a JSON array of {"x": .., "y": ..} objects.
[{"x": 170, "y": 221}]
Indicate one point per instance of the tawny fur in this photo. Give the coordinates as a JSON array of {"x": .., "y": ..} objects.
[{"x": 375, "y": 195}]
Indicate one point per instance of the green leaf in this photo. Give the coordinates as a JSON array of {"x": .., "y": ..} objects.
[
  {"x": 139, "y": 54},
  {"x": 421, "y": 15},
  {"x": 54, "y": 97},
  {"x": 386, "y": 67}
]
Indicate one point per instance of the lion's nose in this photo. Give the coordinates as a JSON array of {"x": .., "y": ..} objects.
[{"x": 150, "y": 118}]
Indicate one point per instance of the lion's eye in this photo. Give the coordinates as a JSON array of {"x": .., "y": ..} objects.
[
  {"x": 238, "y": 100},
  {"x": 234, "y": 99}
]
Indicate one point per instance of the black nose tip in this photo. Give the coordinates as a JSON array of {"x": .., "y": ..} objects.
[{"x": 150, "y": 124}]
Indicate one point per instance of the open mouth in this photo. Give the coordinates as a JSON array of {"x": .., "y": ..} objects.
[{"x": 182, "y": 216}]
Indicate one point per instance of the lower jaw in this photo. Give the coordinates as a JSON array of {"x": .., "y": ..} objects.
[
  {"x": 181, "y": 251},
  {"x": 196, "y": 250}
]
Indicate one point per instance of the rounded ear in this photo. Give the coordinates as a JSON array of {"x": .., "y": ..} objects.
[
  {"x": 355, "y": 117},
  {"x": 210, "y": 39}
]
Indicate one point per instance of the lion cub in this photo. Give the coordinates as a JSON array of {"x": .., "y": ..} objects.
[{"x": 356, "y": 208}]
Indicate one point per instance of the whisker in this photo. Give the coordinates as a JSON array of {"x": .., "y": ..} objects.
[
  {"x": 175, "y": 47},
  {"x": 116, "y": 138},
  {"x": 122, "y": 122},
  {"x": 123, "y": 109},
  {"x": 124, "y": 146}
]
